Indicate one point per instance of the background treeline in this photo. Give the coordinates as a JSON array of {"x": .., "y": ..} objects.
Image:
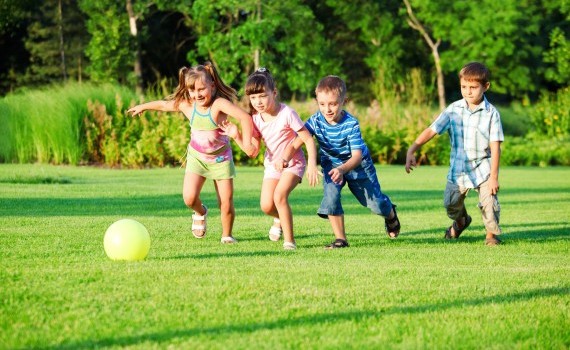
[{"x": 70, "y": 68}]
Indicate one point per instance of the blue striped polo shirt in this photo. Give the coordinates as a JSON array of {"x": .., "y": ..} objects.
[{"x": 336, "y": 142}]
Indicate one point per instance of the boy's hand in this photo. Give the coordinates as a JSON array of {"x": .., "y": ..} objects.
[
  {"x": 229, "y": 129},
  {"x": 493, "y": 185},
  {"x": 410, "y": 161},
  {"x": 337, "y": 176}
]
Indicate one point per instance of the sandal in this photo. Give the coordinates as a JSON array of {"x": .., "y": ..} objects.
[
  {"x": 199, "y": 230},
  {"x": 228, "y": 240},
  {"x": 493, "y": 241},
  {"x": 456, "y": 229},
  {"x": 289, "y": 246},
  {"x": 388, "y": 224},
  {"x": 275, "y": 232},
  {"x": 338, "y": 243}
]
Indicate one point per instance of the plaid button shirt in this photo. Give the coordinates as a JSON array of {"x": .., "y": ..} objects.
[{"x": 470, "y": 133}]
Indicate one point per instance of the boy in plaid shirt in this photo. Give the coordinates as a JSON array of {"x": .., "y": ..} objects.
[{"x": 475, "y": 131}]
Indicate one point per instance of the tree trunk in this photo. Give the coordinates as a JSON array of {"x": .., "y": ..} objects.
[
  {"x": 137, "y": 64},
  {"x": 415, "y": 24},
  {"x": 256, "y": 62},
  {"x": 61, "y": 46}
]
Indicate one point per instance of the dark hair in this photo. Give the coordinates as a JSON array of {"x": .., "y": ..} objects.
[
  {"x": 207, "y": 73},
  {"x": 475, "y": 71},
  {"x": 332, "y": 83},
  {"x": 259, "y": 82}
]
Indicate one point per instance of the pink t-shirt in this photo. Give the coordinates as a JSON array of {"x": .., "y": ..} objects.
[{"x": 278, "y": 134}]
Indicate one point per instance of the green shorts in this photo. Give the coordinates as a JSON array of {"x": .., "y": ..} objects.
[{"x": 215, "y": 171}]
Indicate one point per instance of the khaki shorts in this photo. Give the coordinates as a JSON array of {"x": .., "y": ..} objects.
[{"x": 454, "y": 202}]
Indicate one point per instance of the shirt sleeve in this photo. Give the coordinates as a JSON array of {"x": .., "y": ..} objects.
[
  {"x": 295, "y": 121},
  {"x": 496, "y": 132},
  {"x": 310, "y": 125},
  {"x": 355, "y": 140},
  {"x": 442, "y": 122}
]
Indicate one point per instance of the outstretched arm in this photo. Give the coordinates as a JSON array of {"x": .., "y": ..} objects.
[
  {"x": 424, "y": 137},
  {"x": 159, "y": 105}
]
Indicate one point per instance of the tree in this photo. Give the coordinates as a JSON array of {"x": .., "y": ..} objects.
[
  {"x": 56, "y": 41},
  {"x": 287, "y": 37},
  {"x": 15, "y": 17},
  {"x": 434, "y": 46},
  {"x": 111, "y": 47}
]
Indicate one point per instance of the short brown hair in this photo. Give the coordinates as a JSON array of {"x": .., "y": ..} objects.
[
  {"x": 332, "y": 83},
  {"x": 475, "y": 71}
]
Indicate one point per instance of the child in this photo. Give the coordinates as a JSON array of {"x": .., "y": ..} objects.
[
  {"x": 475, "y": 130},
  {"x": 345, "y": 159},
  {"x": 206, "y": 101},
  {"x": 278, "y": 125}
]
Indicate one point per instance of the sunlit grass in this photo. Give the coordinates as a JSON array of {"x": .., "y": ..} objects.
[{"x": 60, "y": 291}]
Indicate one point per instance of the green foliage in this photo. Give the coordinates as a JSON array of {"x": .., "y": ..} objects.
[
  {"x": 116, "y": 139},
  {"x": 229, "y": 34},
  {"x": 55, "y": 42},
  {"x": 536, "y": 151},
  {"x": 559, "y": 56},
  {"x": 45, "y": 125},
  {"x": 111, "y": 49},
  {"x": 551, "y": 114}
]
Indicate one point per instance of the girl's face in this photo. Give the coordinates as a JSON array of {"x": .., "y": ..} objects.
[
  {"x": 472, "y": 91},
  {"x": 263, "y": 102},
  {"x": 330, "y": 106},
  {"x": 202, "y": 93}
]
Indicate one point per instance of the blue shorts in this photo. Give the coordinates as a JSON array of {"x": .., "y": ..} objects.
[{"x": 366, "y": 190}]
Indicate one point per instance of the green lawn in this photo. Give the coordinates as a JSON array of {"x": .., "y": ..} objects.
[{"x": 58, "y": 290}]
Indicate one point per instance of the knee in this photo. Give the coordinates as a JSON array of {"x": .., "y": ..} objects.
[
  {"x": 266, "y": 207},
  {"x": 190, "y": 201},
  {"x": 280, "y": 199}
]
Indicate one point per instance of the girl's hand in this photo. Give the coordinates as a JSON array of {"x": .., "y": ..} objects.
[
  {"x": 313, "y": 175},
  {"x": 280, "y": 164},
  {"x": 229, "y": 129},
  {"x": 136, "y": 110}
]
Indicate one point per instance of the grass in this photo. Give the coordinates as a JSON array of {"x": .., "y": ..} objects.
[{"x": 60, "y": 291}]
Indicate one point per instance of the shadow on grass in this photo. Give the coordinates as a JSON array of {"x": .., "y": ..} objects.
[
  {"x": 545, "y": 232},
  {"x": 314, "y": 319},
  {"x": 221, "y": 255}
]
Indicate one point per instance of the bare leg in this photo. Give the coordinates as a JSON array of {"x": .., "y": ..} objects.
[
  {"x": 286, "y": 184},
  {"x": 337, "y": 223},
  {"x": 225, "y": 193}
]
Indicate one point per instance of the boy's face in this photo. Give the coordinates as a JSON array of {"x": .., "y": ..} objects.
[
  {"x": 330, "y": 105},
  {"x": 472, "y": 91}
]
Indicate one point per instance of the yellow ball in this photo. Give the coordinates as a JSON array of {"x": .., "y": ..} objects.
[{"x": 127, "y": 239}]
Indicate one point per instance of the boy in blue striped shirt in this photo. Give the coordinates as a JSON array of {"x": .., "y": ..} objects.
[
  {"x": 475, "y": 131},
  {"x": 345, "y": 160}
]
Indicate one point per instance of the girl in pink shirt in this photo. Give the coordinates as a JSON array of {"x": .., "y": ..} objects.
[{"x": 278, "y": 125}]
